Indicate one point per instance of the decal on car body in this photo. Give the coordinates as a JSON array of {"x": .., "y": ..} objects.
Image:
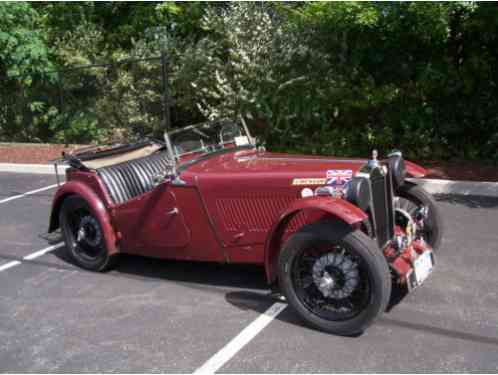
[
  {"x": 337, "y": 177},
  {"x": 309, "y": 181}
]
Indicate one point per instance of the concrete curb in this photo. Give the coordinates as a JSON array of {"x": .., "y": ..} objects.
[
  {"x": 465, "y": 188},
  {"x": 31, "y": 168}
]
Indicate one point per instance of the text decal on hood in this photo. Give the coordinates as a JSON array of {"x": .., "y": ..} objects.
[
  {"x": 309, "y": 181},
  {"x": 334, "y": 177}
]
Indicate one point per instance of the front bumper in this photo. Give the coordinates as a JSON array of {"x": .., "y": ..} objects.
[{"x": 413, "y": 264}]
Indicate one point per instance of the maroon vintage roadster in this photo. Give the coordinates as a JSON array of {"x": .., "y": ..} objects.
[{"x": 334, "y": 235}]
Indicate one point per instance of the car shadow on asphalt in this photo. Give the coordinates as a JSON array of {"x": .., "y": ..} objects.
[
  {"x": 244, "y": 287},
  {"x": 245, "y": 276},
  {"x": 248, "y": 300},
  {"x": 197, "y": 275},
  {"x": 260, "y": 302},
  {"x": 202, "y": 273}
]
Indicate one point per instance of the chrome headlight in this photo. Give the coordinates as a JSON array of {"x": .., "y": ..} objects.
[
  {"x": 396, "y": 168},
  {"x": 357, "y": 191}
]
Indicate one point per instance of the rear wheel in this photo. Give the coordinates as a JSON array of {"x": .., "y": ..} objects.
[
  {"x": 83, "y": 235},
  {"x": 335, "y": 278}
]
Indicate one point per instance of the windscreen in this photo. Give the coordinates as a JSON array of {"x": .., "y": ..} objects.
[{"x": 208, "y": 137}]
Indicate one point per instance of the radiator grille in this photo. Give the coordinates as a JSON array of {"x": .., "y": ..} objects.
[
  {"x": 382, "y": 209},
  {"x": 390, "y": 205}
]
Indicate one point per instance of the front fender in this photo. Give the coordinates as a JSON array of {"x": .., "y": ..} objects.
[
  {"x": 415, "y": 170},
  {"x": 334, "y": 207},
  {"x": 96, "y": 205}
]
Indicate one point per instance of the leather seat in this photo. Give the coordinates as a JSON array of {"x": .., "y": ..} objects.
[{"x": 130, "y": 179}]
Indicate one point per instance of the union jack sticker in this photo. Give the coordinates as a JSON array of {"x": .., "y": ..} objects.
[{"x": 338, "y": 176}]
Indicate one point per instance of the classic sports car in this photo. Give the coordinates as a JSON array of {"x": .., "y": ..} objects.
[{"x": 334, "y": 235}]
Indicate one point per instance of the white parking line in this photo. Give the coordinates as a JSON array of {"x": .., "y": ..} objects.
[
  {"x": 6, "y": 266},
  {"x": 41, "y": 252},
  {"x": 242, "y": 339},
  {"x": 28, "y": 193},
  {"x": 31, "y": 256}
]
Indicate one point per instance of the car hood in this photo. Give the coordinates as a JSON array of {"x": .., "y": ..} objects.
[
  {"x": 267, "y": 165},
  {"x": 246, "y": 191},
  {"x": 243, "y": 164}
]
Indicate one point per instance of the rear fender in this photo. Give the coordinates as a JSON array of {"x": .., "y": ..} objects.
[
  {"x": 415, "y": 170},
  {"x": 95, "y": 203},
  {"x": 334, "y": 208}
]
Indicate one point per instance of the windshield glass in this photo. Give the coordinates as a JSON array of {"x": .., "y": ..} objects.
[{"x": 208, "y": 137}]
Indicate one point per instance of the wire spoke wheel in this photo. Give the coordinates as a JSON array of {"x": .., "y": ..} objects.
[
  {"x": 83, "y": 235},
  {"x": 413, "y": 209},
  {"x": 334, "y": 277},
  {"x": 422, "y": 208},
  {"x": 331, "y": 282}
]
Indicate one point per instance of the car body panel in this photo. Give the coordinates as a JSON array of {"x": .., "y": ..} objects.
[
  {"x": 415, "y": 170},
  {"x": 229, "y": 207},
  {"x": 246, "y": 192},
  {"x": 168, "y": 222}
]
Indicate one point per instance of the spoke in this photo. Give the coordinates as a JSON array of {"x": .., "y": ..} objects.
[
  {"x": 349, "y": 305},
  {"x": 344, "y": 299},
  {"x": 307, "y": 282}
]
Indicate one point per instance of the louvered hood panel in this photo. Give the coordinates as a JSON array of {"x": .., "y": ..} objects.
[
  {"x": 252, "y": 212},
  {"x": 244, "y": 211},
  {"x": 246, "y": 192}
]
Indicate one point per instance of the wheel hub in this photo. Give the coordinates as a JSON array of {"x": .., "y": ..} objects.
[
  {"x": 326, "y": 282},
  {"x": 335, "y": 275},
  {"x": 89, "y": 231}
]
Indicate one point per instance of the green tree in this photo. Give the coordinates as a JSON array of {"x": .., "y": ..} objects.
[
  {"x": 25, "y": 67},
  {"x": 326, "y": 78}
]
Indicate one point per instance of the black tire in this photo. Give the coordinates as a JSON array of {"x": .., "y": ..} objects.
[
  {"x": 416, "y": 197},
  {"x": 88, "y": 253},
  {"x": 372, "y": 268}
]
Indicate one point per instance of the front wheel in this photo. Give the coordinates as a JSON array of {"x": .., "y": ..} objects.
[
  {"x": 83, "y": 235},
  {"x": 335, "y": 278}
]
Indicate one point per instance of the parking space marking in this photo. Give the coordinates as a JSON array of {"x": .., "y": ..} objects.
[
  {"x": 242, "y": 339},
  {"x": 29, "y": 193},
  {"x": 6, "y": 266},
  {"x": 31, "y": 256}
]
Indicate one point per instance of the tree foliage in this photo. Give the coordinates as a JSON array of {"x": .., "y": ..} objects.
[
  {"x": 325, "y": 78},
  {"x": 24, "y": 68}
]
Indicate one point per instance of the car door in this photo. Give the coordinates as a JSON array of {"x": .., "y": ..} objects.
[
  {"x": 153, "y": 224},
  {"x": 169, "y": 222},
  {"x": 161, "y": 222}
]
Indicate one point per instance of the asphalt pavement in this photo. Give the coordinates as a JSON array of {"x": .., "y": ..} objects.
[{"x": 158, "y": 316}]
